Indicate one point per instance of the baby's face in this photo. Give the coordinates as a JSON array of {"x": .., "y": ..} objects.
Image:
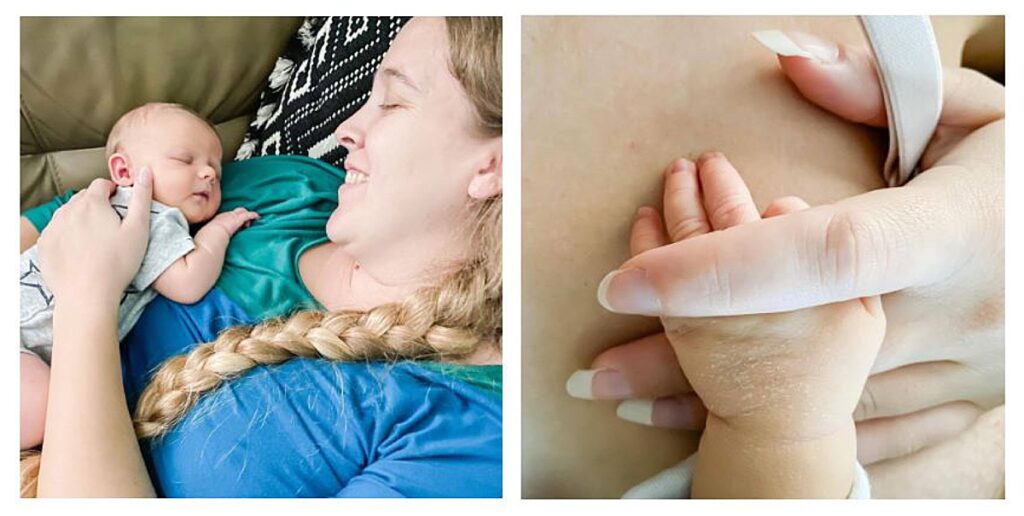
[{"x": 184, "y": 155}]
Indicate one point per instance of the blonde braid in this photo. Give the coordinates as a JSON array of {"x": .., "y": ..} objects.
[
  {"x": 29, "y": 472},
  {"x": 435, "y": 322}
]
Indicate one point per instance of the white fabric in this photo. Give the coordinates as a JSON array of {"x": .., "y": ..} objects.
[
  {"x": 675, "y": 482},
  {"x": 911, "y": 76}
]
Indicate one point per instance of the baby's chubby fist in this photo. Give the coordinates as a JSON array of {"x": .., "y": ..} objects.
[
  {"x": 794, "y": 375},
  {"x": 234, "y": 220}
]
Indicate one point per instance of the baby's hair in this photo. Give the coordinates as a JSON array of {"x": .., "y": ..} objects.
[
  {"x": 139, "y": 116},
  {"x": 451, "y": 320}
]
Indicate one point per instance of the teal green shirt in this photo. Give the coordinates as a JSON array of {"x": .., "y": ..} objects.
[{"x": 295, "y": 196}]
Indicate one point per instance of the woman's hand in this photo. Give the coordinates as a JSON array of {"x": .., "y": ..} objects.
[
  {"x": 88, "y": 256},
  {"x": 934, "y": 247},
  {"x": 87, "y": 251}
]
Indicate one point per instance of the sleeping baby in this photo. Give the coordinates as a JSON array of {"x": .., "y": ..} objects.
[{"x": 183, "y": 153}]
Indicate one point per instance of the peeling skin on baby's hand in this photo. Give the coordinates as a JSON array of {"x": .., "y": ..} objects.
[{"x": 770, "y": 381}]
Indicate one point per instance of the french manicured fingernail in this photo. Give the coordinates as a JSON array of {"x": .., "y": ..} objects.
[
  {"x": 594, "y": 384},
  {"x": 145, "y": 176},
  {"x": 628, "y": 291},
  {"x": 637, "y": 411},
  {"x": 798, "y": 44}
]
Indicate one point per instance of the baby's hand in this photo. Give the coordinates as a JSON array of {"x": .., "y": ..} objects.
[
  {"x": 234, "y": 220},
  {"x": 795, "y": 375}
]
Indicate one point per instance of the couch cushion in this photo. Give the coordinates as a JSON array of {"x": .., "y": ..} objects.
[{"x": 78, "y": 75}]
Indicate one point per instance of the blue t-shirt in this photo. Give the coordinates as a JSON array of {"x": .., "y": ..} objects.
[
  {"x": 310, "y": 428},
  {"x": 314, "y": 428}
]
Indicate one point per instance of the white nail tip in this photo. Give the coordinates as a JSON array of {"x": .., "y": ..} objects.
[
  {"x": 637, "y": 411},
  {"x": 602, "y": 290},
  {"x": 579, "y": 384},
  {"x": 778, "y": 42}
]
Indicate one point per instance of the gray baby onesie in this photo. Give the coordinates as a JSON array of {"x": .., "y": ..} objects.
[{"x": 168, "y": 240}]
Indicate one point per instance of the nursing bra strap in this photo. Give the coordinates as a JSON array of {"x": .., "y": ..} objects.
[{"x": 909, "y": 69}]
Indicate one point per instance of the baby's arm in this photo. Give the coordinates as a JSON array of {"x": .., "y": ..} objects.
[
  {"x": 780, "y": 388},
  {"x": 189, "y": 278},
  {"x": 29, "y": 234}
]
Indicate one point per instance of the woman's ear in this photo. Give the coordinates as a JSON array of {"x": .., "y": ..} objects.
[
  {"x": 486, "y": 182},
  {"x": 120, "y": 173}
]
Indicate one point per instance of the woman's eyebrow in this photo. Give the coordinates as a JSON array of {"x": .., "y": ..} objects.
[{"x": 398, "y": 74}]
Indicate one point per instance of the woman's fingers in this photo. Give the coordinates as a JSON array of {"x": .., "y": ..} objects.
[
  {"x": 874, "y": 243},
  {"x": 971, "y": 465},
  {"x": 681, "y": 412},
  {"x": 137, "y": 219},
  {"x": 918, "y": 386},
  {"x": 99, "y": 189},
  {"x": 684, "y": 210},
  {"x": 842, "y": 79},
  {"x": 647, "y": 231},
  {"x": 886, "y": 438},
  {"x": 727, "y": 201},
  {"x": 643, "y": 368},
  {"x": 839, "y": 78}
]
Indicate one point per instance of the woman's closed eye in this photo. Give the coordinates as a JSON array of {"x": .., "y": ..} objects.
[{"x": 391, "y": 102}]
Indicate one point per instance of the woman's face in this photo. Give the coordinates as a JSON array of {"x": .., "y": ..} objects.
[{"x": 415, "y": 157}]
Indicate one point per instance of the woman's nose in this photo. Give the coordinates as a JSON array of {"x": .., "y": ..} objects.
[{"x": 349, "y": 134}]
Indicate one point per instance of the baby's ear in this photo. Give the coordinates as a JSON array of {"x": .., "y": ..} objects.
[
  {"x": 486, "y": 182},
  {"x": 120, "y": 173}
]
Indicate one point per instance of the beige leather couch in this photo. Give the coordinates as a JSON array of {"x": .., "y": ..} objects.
[{"x": 78, "y": 75}]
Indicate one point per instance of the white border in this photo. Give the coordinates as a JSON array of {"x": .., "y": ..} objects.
[{"x": 512, "y": 230}]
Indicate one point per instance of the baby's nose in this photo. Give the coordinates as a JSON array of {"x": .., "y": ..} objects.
[{"x": 207, "y": 172}]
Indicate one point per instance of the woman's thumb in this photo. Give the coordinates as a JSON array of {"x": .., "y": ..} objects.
[
  {"x": 141, "y": 200},
  {"x": 839, "y": 78}
]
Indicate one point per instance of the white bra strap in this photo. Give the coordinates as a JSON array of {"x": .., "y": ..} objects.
[{"x": 911, "y": 76}]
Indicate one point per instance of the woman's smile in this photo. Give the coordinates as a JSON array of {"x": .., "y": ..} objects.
[
  {"x": 353, "y": 188},
  {"x": 355, "y": 177}
]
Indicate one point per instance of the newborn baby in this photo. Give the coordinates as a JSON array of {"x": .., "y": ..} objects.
[
  {"x": 183, "y": 153},
  {"x": 780, "y": 388}
]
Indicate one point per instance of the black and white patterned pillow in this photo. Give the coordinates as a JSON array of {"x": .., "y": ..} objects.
[{"x": 323, "y": 77}]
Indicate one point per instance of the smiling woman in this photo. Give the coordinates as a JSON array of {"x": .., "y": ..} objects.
[
  {"x": 393, "y": 379},
  {"x": 417, "y": 133}
]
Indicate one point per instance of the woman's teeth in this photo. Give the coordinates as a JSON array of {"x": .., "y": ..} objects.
[{"x": 353, "y": 177}]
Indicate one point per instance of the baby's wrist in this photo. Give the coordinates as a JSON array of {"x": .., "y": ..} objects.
[
  {"x": 214, "y": 234},
  {"x": 749, "y": 461},
  {"x": 778, "y": 424}
]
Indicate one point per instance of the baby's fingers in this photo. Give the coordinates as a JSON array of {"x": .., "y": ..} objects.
[
  {"x": 784, "y": 205},
  {"x": 684, "y": 211},
  {"x": 245, "y": 217},
  {"x": 727, "y": 200},
  {"x": 647, "y": 232}
]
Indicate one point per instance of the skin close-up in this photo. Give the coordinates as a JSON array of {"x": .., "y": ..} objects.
[{"x": 607, "y": 103}]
